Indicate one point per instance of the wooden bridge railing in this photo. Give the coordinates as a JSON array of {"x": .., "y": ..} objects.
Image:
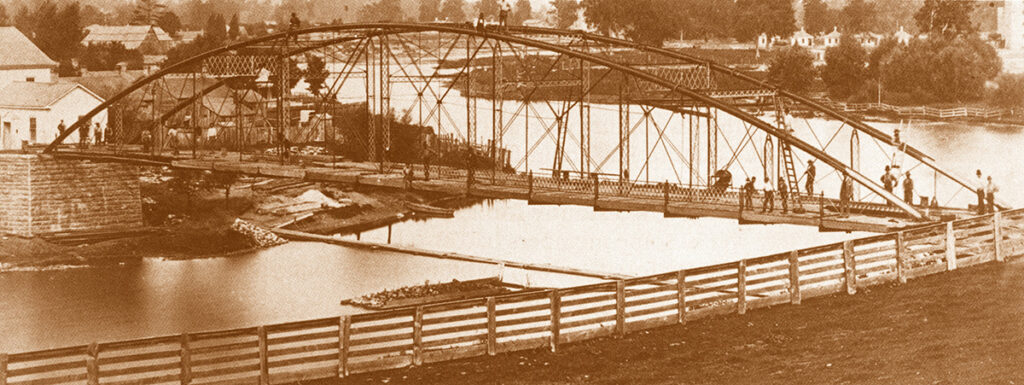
[{"x": 339, "y": 346}]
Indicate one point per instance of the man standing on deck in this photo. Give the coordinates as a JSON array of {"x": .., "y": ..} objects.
[
  {"x": 784, "y": 196},
  {"x": 908, "y": 189},
  {"x": 845, "y": 195},
  {"x": 768, "y": 202},
  {"x": 888, "y": 182},
  {"x": 990, "y": 195},
  {"x": 810, "y": 172},
  {"x": 980, "y": 189},
  {"x": 503, "y": 13}
]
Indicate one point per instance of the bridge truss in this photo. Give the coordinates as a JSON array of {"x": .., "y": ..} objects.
[{"x": 565, "y": 103}]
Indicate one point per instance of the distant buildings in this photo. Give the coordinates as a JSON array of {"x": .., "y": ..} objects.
[
  {"x": 147, "y": 39},
  {"x": 1011, "y": 27},
  {"x": 820, "y": 43},
  {"x": 21, "y": 60}
]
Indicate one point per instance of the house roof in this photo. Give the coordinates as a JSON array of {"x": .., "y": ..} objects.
[
  {"x": 20, "y": 53},
  {"x": 106, "y": 84},
  {"x": 34, "y": 95},
  {"x": 131, "y": 36}
]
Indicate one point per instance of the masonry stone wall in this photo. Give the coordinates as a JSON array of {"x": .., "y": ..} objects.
[{"x": 49, "y": 195}]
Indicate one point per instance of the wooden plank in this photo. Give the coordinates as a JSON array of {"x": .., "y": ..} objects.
[
  {"x": 588, "y": 300},
  {"x": 381, "y": 328},
  {"x": 849, "y": 268},
  {"x": 138, "y": 343},
  {"x": 523, "y": 320},
  {"x": 588, "y": 310},
  {"x": 681, "y": 296},
  {"x": 45, "y": 368},
  {"x": 380, "y": 350},
  {"x": 332, "y": 346},
  {"x": 650, "y": 310},
  {"x": 261, "y": 332},
  {"x": 454, "y": 329},
  {"x": 901, "y": 263},
  {"x": 620, "y": 308},
  {"x": 837, "y": 269},
  {"x": 146, "y": 380},
  {"x": 650, "y": 290},
  {"x": 556, "y": 320},
  {"x": 141, "y": 369},
  {"x": 225, "y": 371},
  {"x": 302, "y": 325},
  {"x": 794, "y": 278},
  {"x": 950, "y": 247},
  {"x": 523, "y": 331},
  {"x": 417, "y": 337},
  {"x": 223, "y": 348},
  {"x": 303, "y": 375},
  {"x": 649, "y": 300},
  {"x": 407, "y": 335},
  {"x": 303, "y": 360},
  {"x": 479, "y": 338},
  {"x": 741, "y": 287},
  {"x": 588, "y": 322},
  {"x": 781, "y": 275},
  {"x": 838, "y": 278},
  {"x": 301, "y": 337},
  {"x": 997, "y": 237},
  {"x": 105, "y": 360},
  {"x": 492, "y": 326},
  {"x": 248, "y": 356},
  {"x": 196, "y": 337},
  {"x": 524, "y": 309},
  {"x": 52, "y": 380},
  {"x": 453, "y": 318}
]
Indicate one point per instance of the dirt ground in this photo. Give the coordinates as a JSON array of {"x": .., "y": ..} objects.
[{"x": 964, "y": 327}]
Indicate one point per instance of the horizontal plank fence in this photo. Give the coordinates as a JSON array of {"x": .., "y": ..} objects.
[{"x": 339, "y": 346}]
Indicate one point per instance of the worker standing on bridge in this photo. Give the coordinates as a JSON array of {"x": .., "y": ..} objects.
[
  {"x": 784, "y": 196},
  {"x": 888, "y": 181},
  {"x": 845, "y": 195},
  {"x": 293, "y": 24},
  {"x": 908, "y": 189},
  {"x": 990, "y": 195},
  {"x": 980, "y": 189},
  {"x": 503, "y": 12},
  {"x": 768, "y": 201},
  {"x": 810, "y": 173}
]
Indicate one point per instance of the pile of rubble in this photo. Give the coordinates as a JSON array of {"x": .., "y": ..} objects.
[{"x": 256, "y": 235}]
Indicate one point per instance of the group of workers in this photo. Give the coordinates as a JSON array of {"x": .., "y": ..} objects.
[
  {"x": 750, "y": 188},
  {"x": 86, "y": 135},
  {"x": 986, "y": 191},
  {"x": 504, "y": 10}
]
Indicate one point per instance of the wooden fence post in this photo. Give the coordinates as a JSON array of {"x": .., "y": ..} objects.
[
  {"x": 997, "y": 236},
  {"x": 417, "y": 337},
  {"x": 901, "y": 269},
  {"x": 261, "y": 332},
  {"x": 556, "y": 318},
  {"x": 3, "y": 368},
  {"x": 794, "y": 278},
  {"x": 186, "y": 359},
  {"x": 850, "y": 267},
  {"x": 492, "y": 326},
  {"x": 950, "y": 247},
  {"x": 92, "y": 366},
  {"x": 344, "y": 334},
  {"x": 620, "y": 308},
  {"x": 741, "y": 287},
  {"x": 681, "y": 295}
]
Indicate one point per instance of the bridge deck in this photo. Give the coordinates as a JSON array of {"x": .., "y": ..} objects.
[{"x": 671, "y": 200}]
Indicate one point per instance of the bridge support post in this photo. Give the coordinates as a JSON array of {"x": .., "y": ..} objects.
[
  {"x": 741, "y": 287},
  {"x": 681, "y": 296},
  {"x": 850, "y": 268},
  {"x": 997, "y": 236},
  {"x": 556, "y": 319},
  {"x": 950, "y": 247},
  {"x": 794, "y": 278},
  {"x": 901, "y": 268}
]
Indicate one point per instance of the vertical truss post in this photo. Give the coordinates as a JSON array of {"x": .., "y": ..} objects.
[
  {"x": 855, "y": 158},
  {"x": 584, "y": 113},
  {"x": 712, "y": 144},
  {"x": 470, "y": 111},
  {"x": 769, "y": 158},
  {"x": 385, "y": 99},
  {"x": 371, "y": 101}
]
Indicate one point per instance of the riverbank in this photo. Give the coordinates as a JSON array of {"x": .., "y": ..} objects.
[
  {"x": 958, "y": 327},
  {"x": 199, "y": 226}
]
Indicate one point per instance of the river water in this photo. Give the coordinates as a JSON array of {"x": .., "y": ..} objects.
[{"x": 304, "y": 280}]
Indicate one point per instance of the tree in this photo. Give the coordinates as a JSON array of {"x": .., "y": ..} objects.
[
  {"x": 947, "y": 18},
  {"x": 607, "y": 16},
  {"x": 105, "y": 56},
  {"x": 56, "y": 31},
  {"x": 382, "y": 10},
  {"x": 705, "y": 18},
  {"x": 818, "y": 17},
  {"x": 233, "y": 29},
  {"x": 1009, "y": 92},
  {"x": 316, "y": 74},
  {"x": 566, "y": 12},
  {"x": 170, "y": 23},
  {"x": 940, "y": 70},
  {"x": 4, "y": 18},
  {"x": 453, "y": 10},
  {"x": 488, "y": 7},
  {"x": 429, "y": 10},
  {"x": 793, "y": 69},
  {"x": 147, "y": 12},
  {"x": 845, "y": 70},
  {"x": 644, "y": 21},
  {"x": 860, "y": 16},
  {"x": 754, "y": 17},
  {"x": 522, "y": 12},
  {"x": 216, "y": 32}
]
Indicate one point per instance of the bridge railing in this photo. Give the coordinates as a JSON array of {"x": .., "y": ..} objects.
[{"x": 338, "y": 346}]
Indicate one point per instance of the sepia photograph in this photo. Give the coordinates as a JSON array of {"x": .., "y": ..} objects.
[{"x": 332, "y": 192}]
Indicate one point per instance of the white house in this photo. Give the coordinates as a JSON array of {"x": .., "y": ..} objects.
[
  {"x": 832, "y": 38},
  {"x": 902, "y": 36},
  {"x": 30, "y": 112},
  {"x": 22, "y": 61},
  {"x": 802, "y": 38}
]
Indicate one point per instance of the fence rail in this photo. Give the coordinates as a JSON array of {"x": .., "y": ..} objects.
[
  {"x": 339, "y": 346},
  {"x": 936, "y": 113}
]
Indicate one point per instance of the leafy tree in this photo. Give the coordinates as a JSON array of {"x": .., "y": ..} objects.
[
  {"x": 105, "y": 56},
  {"x": 147, "y": 12},
  {"x": 941, "y": 70},
  {"x": 818, "y": 17},
  {"x": 216, "y": 32},
  {"x": 860, "y": 16},
  {"x": 170, "y": 23},
  {"x": 1009, "y": 92},
  {"x": 522, "y": 12},
  {"x": 566, "y": 12},
  {"x": 488, "y": 7},
  {"x": 773, "y": 17},
  {"x": 948, "y": 18},
  {"x": 793, "y": 69},
  {"x": 643, "y": 21},
  {"x": 316, "y": 74},
  {"x": 4, "y": 18},
  {"x": 234, "y": 30},
  {"x": 607, "y": 16},
  {"x": 453, "y": 10},
  {"x": 382, "y": 10},
  {"x": 845, "y": 70},
  {"x": 429, "y": 10},
  {"x": 705, "y": 18}
]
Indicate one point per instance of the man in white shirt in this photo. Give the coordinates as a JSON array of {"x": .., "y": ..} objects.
[
  {"x": 769, "y": 196},
  {"x": 979, "y": 186},
  {"x": 990, "y": 195},
  {"x": 505, "y": 10}
]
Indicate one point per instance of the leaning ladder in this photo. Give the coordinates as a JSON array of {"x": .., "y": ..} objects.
[{"x": 787, "y": 154}]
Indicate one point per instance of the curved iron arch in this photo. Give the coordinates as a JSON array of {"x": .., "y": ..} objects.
[{"x": 397, "y": 28}]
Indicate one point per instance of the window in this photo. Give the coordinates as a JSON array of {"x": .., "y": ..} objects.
[
  {"x": 30, "y": 79},
  {"x": 32, "y": 130}
]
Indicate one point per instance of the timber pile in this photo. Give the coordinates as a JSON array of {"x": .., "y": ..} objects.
[
  {"x": 429, "y": 293},
  {"x": 256, "y": 235}
]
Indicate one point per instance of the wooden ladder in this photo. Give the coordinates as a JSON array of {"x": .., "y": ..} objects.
[{"x": 787, "y": 153}]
